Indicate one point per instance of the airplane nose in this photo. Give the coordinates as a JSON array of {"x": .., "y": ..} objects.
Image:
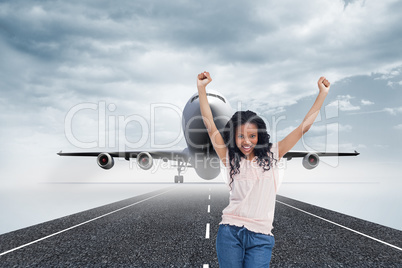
[{"x": 220, "y": 118}]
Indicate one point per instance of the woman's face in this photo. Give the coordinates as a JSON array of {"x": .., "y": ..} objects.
[{"x": 247, "y": 138}]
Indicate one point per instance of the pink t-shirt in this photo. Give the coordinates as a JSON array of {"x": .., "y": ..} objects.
[{"x": 253, "y": 195}]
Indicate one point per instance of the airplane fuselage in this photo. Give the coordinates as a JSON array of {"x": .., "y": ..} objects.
[{"x": 203, "y": 156}]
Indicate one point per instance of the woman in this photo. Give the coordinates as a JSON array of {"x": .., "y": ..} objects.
[{"x": 244, "y": 237}]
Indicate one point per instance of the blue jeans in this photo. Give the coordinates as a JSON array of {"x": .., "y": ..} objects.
[{"x": 239, "y": 247}]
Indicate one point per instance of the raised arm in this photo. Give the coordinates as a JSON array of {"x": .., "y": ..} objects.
[
  {"x": 203, "y": 80},
  {"x": 290, "y": 140}
]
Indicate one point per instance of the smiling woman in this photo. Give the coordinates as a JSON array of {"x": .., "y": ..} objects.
[
  {"x": 245, "y": 236},
  {"x": 247, "y": 139}
]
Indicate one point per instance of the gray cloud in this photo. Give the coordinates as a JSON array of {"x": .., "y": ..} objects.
[
  {"x": 366, "y": 102},
  {"x": 268, "y": 55},
  {"x": 94, "y": 44},
  {"x": 347, "y": 2}
]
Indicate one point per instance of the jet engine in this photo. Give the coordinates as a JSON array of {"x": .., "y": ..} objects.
[
  {"x": 105, "y": 161},
  {"x": 144, "y": 160},
  {"x": 311, "y": 160}
]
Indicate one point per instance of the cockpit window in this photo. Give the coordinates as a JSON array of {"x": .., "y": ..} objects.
[{"x": 210, "y": 94}]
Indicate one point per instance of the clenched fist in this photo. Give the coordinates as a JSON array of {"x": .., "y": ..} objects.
[
  {"x": 203, "y": 79},
  {"x": 323, "y": 84}
]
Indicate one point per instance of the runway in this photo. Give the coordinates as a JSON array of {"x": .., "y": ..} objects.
[{"x": 176, "y": 227}]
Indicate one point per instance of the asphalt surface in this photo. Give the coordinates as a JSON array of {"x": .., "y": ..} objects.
[{"x": 168, "y": 228}]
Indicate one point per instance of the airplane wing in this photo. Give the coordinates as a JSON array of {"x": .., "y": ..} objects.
[
  {"x": 170, "y": 155},
  {"x": 144, "y": 158},
  {"x": 311, "y": 159},
  {"x": 289, "y": 155}
]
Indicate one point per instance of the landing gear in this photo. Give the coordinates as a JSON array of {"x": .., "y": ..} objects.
[
  {"x": 178, "y": 179},
  {"x": 180, "y": 167}
]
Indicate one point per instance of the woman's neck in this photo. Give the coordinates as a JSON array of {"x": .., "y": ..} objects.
[{"x": 250, "y": 156}]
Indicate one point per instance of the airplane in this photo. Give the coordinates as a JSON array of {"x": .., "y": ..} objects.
[{"x": 199, "y": 153}]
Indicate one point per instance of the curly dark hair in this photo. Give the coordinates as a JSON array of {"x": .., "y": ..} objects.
[{"x": 262, "y": 150}]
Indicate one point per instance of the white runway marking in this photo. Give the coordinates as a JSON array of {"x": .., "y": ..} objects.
[
  {"x": 378, "y": 240},
  {"x": 75, "y": 226},
  {"x": 209, "y": 208},
  {"x": 205, "y": 266},
  {"x": 209, "y": 196},
  {"x": 207, "y": 232}
]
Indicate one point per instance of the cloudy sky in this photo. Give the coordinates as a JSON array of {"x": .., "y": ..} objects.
[{"x": 97, "y": 75}]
